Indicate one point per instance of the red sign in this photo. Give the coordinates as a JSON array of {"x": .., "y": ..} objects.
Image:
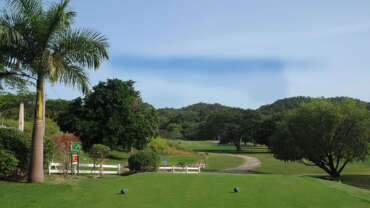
[{"x": 74, "y": 158}]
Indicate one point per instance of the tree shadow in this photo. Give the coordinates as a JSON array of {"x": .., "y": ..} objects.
[
  {"x": 233, "y": 151},
  {"x": 359, "y": 181}
]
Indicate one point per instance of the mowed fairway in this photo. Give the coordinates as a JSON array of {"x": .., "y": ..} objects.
[{"x": 170, "y": 190}]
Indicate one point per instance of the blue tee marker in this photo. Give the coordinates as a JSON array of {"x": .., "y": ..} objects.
[
  {"x": 123, "y": 191},
  {"x": 236, "y": 189}
]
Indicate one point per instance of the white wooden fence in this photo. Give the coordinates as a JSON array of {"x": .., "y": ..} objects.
[
  {"x": 53, "y": 169},
  {"x": 187, "y": 170}
]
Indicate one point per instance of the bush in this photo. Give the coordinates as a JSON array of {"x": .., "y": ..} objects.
[
  {"x": 144, "y": 161},
  {"x": 99, "y": 152},
  {"x": 8, "y": 164},
  {"x": 19, "y": 144},
  {"x": 50, "y": 148},
  {"x": 63, "y": 142},
  {"x": 164, "y": 146}
]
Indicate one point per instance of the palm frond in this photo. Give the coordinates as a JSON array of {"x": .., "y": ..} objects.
[
  {"x": 57, "y": 18},
  {"x": 83, "y": 47},
  {"x": 71, "y": 75},
  {"x": 25, "y": 7},
  {"x": 9, "y": 33}
]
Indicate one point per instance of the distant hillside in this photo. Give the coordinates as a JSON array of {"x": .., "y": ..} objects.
[
  {"x": 291, "y": 103},
  {"x": 184, "y": 122},
  {"x": 283, "y": 105}
]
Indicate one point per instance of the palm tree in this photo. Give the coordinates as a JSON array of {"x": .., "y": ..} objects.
[{"x": 41, "y": 43}]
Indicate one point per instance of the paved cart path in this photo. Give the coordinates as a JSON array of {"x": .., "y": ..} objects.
[{"x": 249, "y": 164}]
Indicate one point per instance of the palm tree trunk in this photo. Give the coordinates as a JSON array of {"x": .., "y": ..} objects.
[
  {"x": 37, "y": 154},
  {"x": 43, "y": 110}
]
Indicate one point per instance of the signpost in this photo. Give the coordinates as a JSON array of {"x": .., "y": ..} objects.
[{"x": 75, "y": 159}]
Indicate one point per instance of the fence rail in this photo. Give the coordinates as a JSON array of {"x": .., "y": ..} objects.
[
  {"x": 53, "y": 168},
  {"x": 172, "y": 169},
  {"x": 187, "y": 170}
]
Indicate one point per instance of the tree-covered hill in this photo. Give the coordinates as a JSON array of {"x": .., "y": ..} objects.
[
  {"x": 286, "y": 104},
  {"x": 283, "y": 105},
  {"x": 185, "y": 122}
]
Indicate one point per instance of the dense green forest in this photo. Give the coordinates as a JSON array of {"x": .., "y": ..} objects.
[
  {"x": 199, "y": 121},
  {"x": 191, "y": 122}
]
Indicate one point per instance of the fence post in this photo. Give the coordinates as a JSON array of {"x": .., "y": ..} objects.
[
  {"x": 186, "y": 168},
  {"x": 119, "y": 169},
  {"x": 50, "y": 167},
  {"x": 173, "y": 169},
  {"x": 199, "y": 169}
]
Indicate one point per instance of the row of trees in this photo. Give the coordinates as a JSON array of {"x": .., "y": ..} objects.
[
  {"x": 9, "y": 106},
  {"x": 328, "y": 133}
]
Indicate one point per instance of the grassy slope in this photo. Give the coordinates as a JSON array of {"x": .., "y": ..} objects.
[
  {"x": 269, "y": 163},
  {"x": 169, "y": 190},
  {"x": 356, "y": 173}
]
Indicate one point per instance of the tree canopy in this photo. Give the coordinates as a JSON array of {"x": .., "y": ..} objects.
[
  {"x": 324, "y": 133},
  {"x": 113, "y": 114}
]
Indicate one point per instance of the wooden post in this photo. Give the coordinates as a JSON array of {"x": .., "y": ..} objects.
[
  {"x": 21, "y": 117},
  {"x": 173, "y": 169},
  {"x": 119, "y": 169},
  {"x": 186, "y": 168},
  {"x": 50, "y": 167}
]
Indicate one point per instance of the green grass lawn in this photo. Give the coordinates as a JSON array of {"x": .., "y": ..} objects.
[
  {"x": 220, "y": 162},
  {"x": 184, "y": 159},
  {"x": 175, "y": 190},
  {"x": 356, "y": 173}
]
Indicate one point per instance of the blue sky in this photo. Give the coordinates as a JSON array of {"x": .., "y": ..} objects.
[{"x": 234, "y": 52}]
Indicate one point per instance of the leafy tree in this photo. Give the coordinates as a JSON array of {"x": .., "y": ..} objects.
[
  {"x": 98, "y": 153},
  {"x": 249, "y": 125},
  {"x": 54, "y": 107},
  {"x": 40, "y": 44},
  {"x": 266, "y": 128},
  {"x": 325, "y": 134},
  {"x": 214, "y": 126},
  {"x": 113, "y": 115}
]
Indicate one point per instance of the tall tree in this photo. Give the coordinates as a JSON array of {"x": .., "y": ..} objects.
[
  {"x": 325, "y": 134},
  {"x": 113, "y": 114},
  {"x": 41, "y": 44}
]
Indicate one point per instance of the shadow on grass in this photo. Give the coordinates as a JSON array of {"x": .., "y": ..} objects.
[
  {"x": 359, "y": 181},
  {"x": 233, "y": 151}
]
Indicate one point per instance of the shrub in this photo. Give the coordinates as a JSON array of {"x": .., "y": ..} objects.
[
  {"x": 19, "y": 144},
  {"x": 50, "y": 148},
  {"x": 164, "y": 146},
  {"x": 8, "y": 164},
  {"x": 63, "y": 141},
  {"x": 144, "y": 161},
  {"x": 99, "y": 152}
]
